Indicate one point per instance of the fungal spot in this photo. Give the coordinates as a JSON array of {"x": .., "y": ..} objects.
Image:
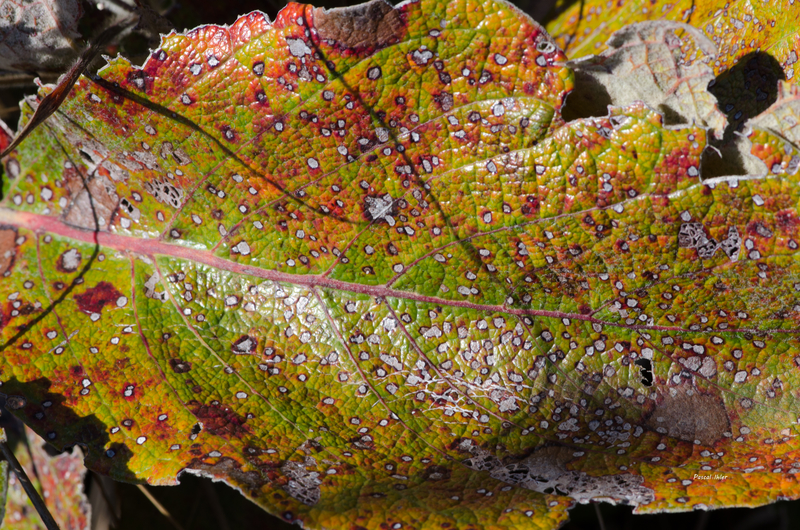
[
  {"x": 381, "y": 208},
  {"x": 139, "y": 79},
  {"x": 243, "y": 248},
  {"x": 179, "y": 155},
  {"x": 244, "y": 345},
  {"x": 150, "y": 288},
  {"x": 12, "y": 166},
  {"x": 180, "y": 367},
  {"x": 436, "y": 473},
  {"x": 445, "y": 101},
  {"x": 298, "y": 47},
  {"x": 92, "y": 301},
  {"x": 15, "y": 402},
  {"x": 689, "y": 415},
  {"x": 421, "y": 56}
]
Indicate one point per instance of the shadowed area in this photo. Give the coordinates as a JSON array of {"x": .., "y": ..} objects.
[
  {"x": 48, "y": 415},
  {"x": 743, "y": 92}
]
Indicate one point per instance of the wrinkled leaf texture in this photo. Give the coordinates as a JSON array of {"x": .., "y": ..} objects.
[{"x": 356, "y": 264}]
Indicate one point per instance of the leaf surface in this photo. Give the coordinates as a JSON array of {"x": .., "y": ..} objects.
[
  {"x": 738, "y": 28},
  {"x": 356, "y": 264}
]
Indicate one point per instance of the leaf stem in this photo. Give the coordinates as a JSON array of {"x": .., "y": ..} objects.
[
  {"x": 600, "y": 521},
  {"x": 216, "y": 506},
  {"x": 160, "y": 507},
  {"x": 34, "y": 496}
]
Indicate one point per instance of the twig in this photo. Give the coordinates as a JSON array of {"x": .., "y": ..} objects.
[
  {"x": 193, "y": 512},
  {"x": 159, "y": 506},
  {"x": 99, "y": 484},
  {"x": 36, "y": 499},
  {"x": 599, "y": 516},
  {"x": 216, "y": 507}
]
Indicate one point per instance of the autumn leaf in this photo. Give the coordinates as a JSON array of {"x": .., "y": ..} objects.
[
  {"x": 644, "y": 62},
  {"x": 738, "y": 28},
  {"x": 358, "y": 264},
  {"x": 60, "y": 480}
]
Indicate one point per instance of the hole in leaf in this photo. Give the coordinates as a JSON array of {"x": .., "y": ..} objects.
[
  {"x": 671, "y": 116},
  {"x": 646, "y": 371},
  {"x": 743, "y": 92},
  {"x": 589, "y": 99},
  {"x": 722, "y": 158},
  {"x": 747, "y": 89}
]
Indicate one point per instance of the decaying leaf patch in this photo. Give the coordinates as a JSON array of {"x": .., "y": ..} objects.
[
  {"x": 8, "y": 237},
  {"x": 659, "y": 62},
  {"x": 365, "y": 27},
  {"x": 686, "y": 414}
]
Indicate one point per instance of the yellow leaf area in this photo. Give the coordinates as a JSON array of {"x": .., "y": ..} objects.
[{"x": 738, "y": 28}]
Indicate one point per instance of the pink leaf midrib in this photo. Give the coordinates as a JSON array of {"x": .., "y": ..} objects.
[{"x": 151, "y": 247}]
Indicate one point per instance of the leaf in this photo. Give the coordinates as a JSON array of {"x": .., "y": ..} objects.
[
  {"x": 647, "y": 62},
  {"x": 60, "y": 480},
  {"x": 38, "y": 36},
  {"x": 738, "y": 28},
  {"x": 756, "y": 47},
  {"x": 356, "y": 264}
]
